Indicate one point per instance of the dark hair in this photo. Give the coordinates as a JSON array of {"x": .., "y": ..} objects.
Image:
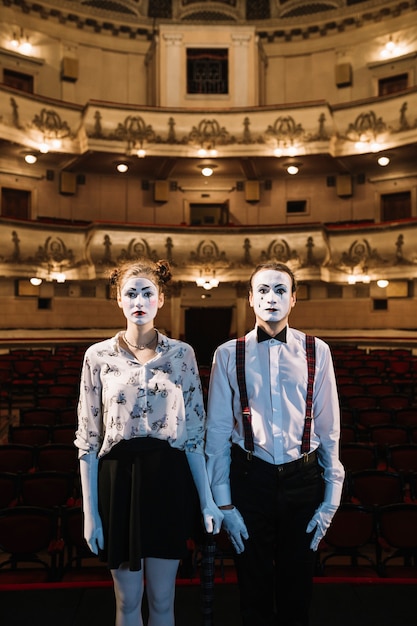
[
  {"x": 278, "y": 267},
  {"x": 159, "y": 272}
]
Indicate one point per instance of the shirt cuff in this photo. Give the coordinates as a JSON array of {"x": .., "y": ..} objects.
[{"x": 222, "y": 495}]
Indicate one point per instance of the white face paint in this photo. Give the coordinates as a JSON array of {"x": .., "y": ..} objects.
[
  {"x": 140, "y": 300},
  {"x": 271, "y": 296}
]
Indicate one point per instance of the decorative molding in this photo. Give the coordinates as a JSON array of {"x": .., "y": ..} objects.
[
  {"x": 315, "y": 253},
  {"x": 279, "y": 28},
  {"x": 313, "y": 128}
]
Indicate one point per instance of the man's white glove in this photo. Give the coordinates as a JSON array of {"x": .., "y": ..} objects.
[
  {"x": 236, "y": 529},
  {"x": 321, "y": 521},
  {"x": 212, "y": 515},
  {"x": 93, "y": 528}
]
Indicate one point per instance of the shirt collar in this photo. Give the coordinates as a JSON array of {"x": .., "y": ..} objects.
[{"x": 263, "y": 336}]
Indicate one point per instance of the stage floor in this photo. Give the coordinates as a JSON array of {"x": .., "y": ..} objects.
[{"x": 333, "y": 605}]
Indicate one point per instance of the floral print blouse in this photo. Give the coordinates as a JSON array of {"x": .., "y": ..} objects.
[{"x": 120, "y": 398}]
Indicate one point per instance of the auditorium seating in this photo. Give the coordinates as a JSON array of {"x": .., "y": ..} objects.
[{"x": 377, "y": 388}]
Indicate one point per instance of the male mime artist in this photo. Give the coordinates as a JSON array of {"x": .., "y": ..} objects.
[{"x": 274, "y": 464}]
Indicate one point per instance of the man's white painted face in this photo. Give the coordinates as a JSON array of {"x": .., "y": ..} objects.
[
  {"x": 140, "y": 300},
  {"x": 271, "y": 296}
]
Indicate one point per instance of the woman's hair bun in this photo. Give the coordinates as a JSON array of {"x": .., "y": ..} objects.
[
  {"x": 114, "y": 276},
  {"x": 163, "y": 271}
]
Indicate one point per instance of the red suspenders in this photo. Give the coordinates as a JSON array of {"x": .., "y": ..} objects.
[{"x": 246, "y": 412}]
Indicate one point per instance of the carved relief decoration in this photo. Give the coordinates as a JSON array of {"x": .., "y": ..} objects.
[
  {"x": 137, "y": 248},
  {"x": 135, "y": 131},
  {"x": 360, "y": 256},
  {"x": 366, "y": 127},
  {"x": 207, "y": 252},
  {"x": 208, "y": 134},
  {"x": 50, "y": 124}
]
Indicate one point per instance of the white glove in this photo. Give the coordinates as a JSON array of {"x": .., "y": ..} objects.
[
  {"x": 93, "y": 528},
  {"x": 212, "y": 516},
  {"x": 321, "y": 521},
  {"x": 236, "y": 529}
]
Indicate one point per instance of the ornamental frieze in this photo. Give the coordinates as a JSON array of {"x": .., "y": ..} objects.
[
  {"x": 207, "y": 252},
  {"x": 314, "y": 253},
  {"x": 137, "y": 248}
]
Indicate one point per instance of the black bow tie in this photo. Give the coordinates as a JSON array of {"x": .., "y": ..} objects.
[{"x": 281, "y": 336}]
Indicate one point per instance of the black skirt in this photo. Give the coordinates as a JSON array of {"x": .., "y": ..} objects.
[{"x": 147, "y": 502}]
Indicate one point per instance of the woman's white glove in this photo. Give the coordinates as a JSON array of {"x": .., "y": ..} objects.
[
  {"x": 212, "y": 516},
  {"x": 236, "y": 528},
  {"x": 320, "y": 521},
  {"x": 93, "y": 528}
]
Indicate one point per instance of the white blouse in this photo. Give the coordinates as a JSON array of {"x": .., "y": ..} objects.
[
  {"x": 276, "y": 379},
  {"x": 121, "y": 398}
]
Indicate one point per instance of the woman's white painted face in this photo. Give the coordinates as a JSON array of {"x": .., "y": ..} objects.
[
  {"x": 271, "y": 296},
  {"x": 140, "y": 300}
]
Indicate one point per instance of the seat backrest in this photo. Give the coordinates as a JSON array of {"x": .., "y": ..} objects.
[
  {"x": 57, "y": 457},
  {"x": 403, "y": 457},
  {"x": 358, "y": 456},
  {"x": 16, "y": 457},
  {"x": 351, "y": 527},
  {"x": 397, "y": 524},
  {"x": 377, "y": 487},
  {"x": 46, "y": 489},
  {"x": 31, "y": 435}
]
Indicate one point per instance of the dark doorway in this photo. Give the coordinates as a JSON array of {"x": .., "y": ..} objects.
[
  {"x": 15, "y": 203},
  {"x": 207, "y": 328},
  {"x": 395, "y": 206},
  {"x": 209, "y": 214}
]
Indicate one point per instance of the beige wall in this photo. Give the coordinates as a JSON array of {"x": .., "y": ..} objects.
[{"x": 96, "y": 313}]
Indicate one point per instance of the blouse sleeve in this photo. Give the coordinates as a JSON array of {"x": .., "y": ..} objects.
[
  {"x": 195, "y": 415},
  {"x": 89, "y": 435}
]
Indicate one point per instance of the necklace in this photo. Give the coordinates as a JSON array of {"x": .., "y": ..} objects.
[{"x": 141, "y": 346}]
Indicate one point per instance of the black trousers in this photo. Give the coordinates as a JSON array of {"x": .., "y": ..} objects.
[{"x": 275, "y": 571}]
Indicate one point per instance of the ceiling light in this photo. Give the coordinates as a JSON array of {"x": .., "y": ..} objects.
[
  {"x": 278, "y": 152},
  {"x": 26, "y": 47},
  {"x": 361, "y": 145},
  {"x": 208, "y": 281},
  {"x": 292, "y": 169},
  {"x": 202, "y": 152},
  {"x": 14, "y": 42},
  {"x": 35, "y": 281},
  {"x": 44, "y": 148},
  {"x": 20, "y": 43},
  {"x": 141, "y": 153},
  {"x": 31, "y": 158},
  {"x": 122, "y": 167},
  {"x": 383, "y": 161},
  {"x": 207, "y": 169},
  {"x": 59, "y": 277},
  {"x": 390, "y": 49},
  {"x": 382, "y": 283}
]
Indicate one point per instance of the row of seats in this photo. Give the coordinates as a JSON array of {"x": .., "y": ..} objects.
[
  {"x": 66, "y": 414},
  {"x": 400, "y": 457},
  {"x": 380, "y": 434},
  {"x": 44, "y": 488},
  {"x": 19, "y": 457},
  {"x": 45, "y": 545},
  {"x": 365, "y": 541},
  {"x": 39, "y": 434}
]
